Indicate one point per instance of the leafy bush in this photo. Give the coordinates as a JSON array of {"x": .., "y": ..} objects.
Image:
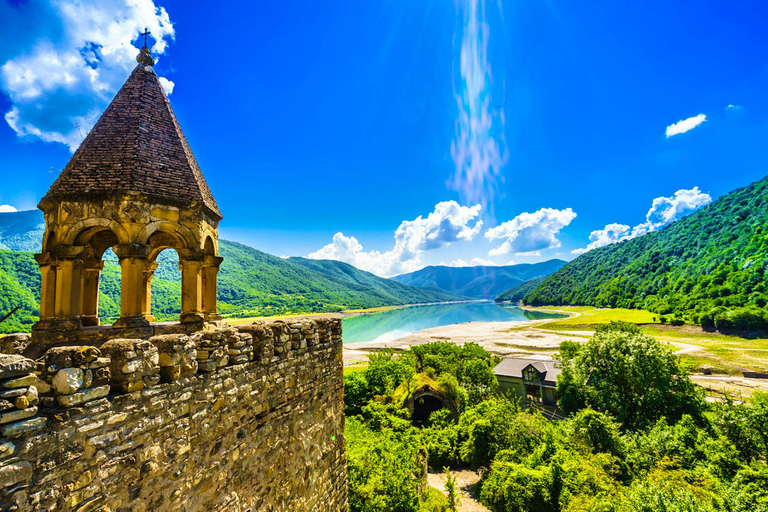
[
  {"x": 486, "y": 430},
  {"x": 383, "y": 470},
  {"x": 386, "y": 371},
  {"x": 433, "y": 500},
  {"x": 357, "y": 392},
  {"x": 512, "y": 487},
  {"x": 618, "y": 326},
  {"x": 596, "y": 432}
]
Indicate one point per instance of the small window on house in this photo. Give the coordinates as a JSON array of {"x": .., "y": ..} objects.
[{"x": 530, "y": 374}]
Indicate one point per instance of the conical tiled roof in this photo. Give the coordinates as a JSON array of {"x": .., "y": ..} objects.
[{"x": 137, "y": 146}]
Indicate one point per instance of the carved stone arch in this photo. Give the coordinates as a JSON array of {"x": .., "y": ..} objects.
[
  {"x": 86, "y": 228},
  {"x": 50, "y": 241},
  {"x": 171, "y": 228},
  {"x": 210, "y": 244}
]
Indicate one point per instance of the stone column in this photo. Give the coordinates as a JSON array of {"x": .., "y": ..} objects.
[
  {"x": 47, "y": 285},
  {"x": 191, "y": 266},
  {"x": 146, "y": 301},
  {"x": 90, "y": 292},
  {"x": 133, "y": 261},
  {"x": 66, "y": 308},
  {"x": 210, "y": 271}
]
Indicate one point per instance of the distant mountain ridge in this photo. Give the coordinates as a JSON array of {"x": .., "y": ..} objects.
[
  {"x": 21, "y": 231},
  {"x": 708, "y": 267},
  {"x": 481, "y": 282},
  {"x": 250, "y": 282}
]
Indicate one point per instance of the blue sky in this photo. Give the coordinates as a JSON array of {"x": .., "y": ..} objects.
[{"x": 330, "y": 128}]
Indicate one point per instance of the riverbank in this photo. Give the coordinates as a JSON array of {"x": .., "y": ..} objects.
[{"x": 506, "y": 339}]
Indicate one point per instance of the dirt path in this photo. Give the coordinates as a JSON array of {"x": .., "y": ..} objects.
[
  {"x": 465, "y": 480},
  {"x": 685, "y": 348}
]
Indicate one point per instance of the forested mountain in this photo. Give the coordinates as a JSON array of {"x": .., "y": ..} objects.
[
  {"x": 478, "y": 282},
  {"x": 708, "y": 267},
  {"x": 250, "y": 282},
  {"x": 517, "y": 293},
  {"x": 21, "y": 231}
]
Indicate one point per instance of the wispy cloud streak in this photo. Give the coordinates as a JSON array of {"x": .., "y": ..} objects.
[
  {"x": 685, "y": 125},
  {"x": 479, "y": 148}
]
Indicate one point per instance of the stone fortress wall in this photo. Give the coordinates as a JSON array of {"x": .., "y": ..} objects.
[{"x": 242, "y": 419}]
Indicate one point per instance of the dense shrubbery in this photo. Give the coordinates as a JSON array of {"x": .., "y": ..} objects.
[
  {"x": 638, "y": 437},
  {"x": 706, "y": 268},
  {"x": 465, "y": 374}
]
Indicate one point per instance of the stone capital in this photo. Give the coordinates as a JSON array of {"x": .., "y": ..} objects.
[
  {"x": 212, "y": 261},
  {"x": 68, "y": 252},
  {"x": 92, "y": 264},
  {"x": 132, "y": 251},
  {"x": 45, "y": 258},
  {"x": 192, "y": 254}
]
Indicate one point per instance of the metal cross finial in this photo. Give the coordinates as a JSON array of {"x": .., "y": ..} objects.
[{"x": 145, "y": 34}]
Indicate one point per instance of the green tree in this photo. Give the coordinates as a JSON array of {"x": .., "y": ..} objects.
[{"x": 631, "y": 376}]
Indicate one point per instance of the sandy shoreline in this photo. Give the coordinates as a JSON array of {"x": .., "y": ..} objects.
[{"x": 500, "y": 338}]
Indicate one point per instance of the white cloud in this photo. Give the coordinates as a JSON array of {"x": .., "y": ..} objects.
[
  {"x": 449, "y": 222},
  {"x": 167, "y": 85},
  {"x": 474, "y": 262},
  {"x": 733, "y": 107},
  {"x": 484, "y": 263},
  {"x": 611, "y": 234},
  {"x": 5, "y": 208},
  {"x": 685, "y": 125},
  {"x": 669, "y": 209},
  {"x": 479, "y": 147},
  {"x": 529, "y": 233},
  {"x": 663, "y": 211},
  {"x": 62, "y": 61}
]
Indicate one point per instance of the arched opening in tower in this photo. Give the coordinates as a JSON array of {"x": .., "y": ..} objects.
[
  {"x": 109, "y": 289},
  {"x": 164, "y": 287}
]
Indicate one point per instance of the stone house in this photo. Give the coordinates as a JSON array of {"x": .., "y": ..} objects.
[{"x": 533, "y": 381}]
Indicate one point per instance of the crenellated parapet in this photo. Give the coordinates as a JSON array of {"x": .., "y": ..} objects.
[{"x": 239, "y": 419}]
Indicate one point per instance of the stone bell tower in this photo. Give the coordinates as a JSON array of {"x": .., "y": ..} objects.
[{"x": 133, "y": 186}]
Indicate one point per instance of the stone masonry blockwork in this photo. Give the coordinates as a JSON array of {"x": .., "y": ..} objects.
[{"x": 262, "y": 435}]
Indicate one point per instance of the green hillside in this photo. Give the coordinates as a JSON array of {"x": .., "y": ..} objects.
[
  {"x": 250, "y": 283},
  {"x": 19, "y": 286},
  {"x": 517, "y": 293},
  {"x": 706, "y": 268},
  {"x": 478, "y": 282}
]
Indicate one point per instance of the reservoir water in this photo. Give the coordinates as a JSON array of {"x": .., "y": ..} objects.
[{"x": 396, "y": 323}]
